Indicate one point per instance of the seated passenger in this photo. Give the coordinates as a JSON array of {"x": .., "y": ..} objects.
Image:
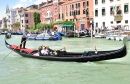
[
  {"x": 39, "y": 49},
  {"x": 50, "y": 51},
  {"x": 63, "y": 49},
  {"x": 96, "y": 50},
  {"x": 44, "y": 51}
]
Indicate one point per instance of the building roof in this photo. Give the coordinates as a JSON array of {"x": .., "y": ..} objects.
[
  {"x": 32, "y": 10},
  {"x": 50, "y": 4},
  {"x": 31, "y": 5},
  {"x": 71, "y": 1}
]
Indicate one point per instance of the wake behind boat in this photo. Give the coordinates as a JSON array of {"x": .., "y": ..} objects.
[{"x": 71, "y": 56}]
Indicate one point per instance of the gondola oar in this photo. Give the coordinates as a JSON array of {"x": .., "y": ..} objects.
[{"x": 13, "y": 49}]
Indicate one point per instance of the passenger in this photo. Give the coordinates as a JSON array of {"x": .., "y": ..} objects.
[
  {"x": 63, "y": 49},
  {"x": 44, "y": 51},
  {"x": 96, "y": 50},
  {"x": 39, "y": 49},
  {"x": 50, "y": 51},
  {"x": 56, "y": 52}
]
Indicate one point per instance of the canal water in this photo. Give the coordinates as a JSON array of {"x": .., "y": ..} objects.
[{"x": 16, "y": 69}]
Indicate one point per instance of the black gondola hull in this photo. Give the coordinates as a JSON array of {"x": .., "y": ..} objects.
[{"x": 76, "y": 56}]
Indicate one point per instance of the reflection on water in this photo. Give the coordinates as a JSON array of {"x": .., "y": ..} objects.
[{"x": 16, "y": 69}]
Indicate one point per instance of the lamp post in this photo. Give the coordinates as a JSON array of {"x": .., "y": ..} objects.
[
  {"x": 90, "y": 20},
  {"x": 74, "y": 15},
  {"x": 91, "y": 28}
]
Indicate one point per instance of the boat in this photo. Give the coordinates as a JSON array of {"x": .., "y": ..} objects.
[
  {"x": 120, "y": 38},
  {"x": 8, "y": 35},
  {"x": 100, "y": 35},
  {"x": 74, "y": 34},
  {"x": 111, "y": 37},
  {"x": 45, "y": 37},
  {"x": 86, "y": 56}
]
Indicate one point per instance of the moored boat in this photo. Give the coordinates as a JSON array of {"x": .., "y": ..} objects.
[
  {"x": 8, "y": 35},
  {"x": 45, "y": 37},
  {"x": 72, "y": 56}
]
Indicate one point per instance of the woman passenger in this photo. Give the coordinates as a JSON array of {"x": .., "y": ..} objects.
[{"x": 44, "y": 51}]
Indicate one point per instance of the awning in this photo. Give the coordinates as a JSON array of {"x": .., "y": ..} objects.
[{"x": 67, "y": 25}]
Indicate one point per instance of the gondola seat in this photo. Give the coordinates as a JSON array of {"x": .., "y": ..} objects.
[{"x": 61, "y": 53}]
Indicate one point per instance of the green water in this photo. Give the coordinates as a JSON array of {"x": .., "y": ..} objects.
[{"x": 16, "y": 69}]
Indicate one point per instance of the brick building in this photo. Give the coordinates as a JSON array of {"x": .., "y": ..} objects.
[
  {"x": 79, "y": 11},
  {"x": 50, "y": 11}
]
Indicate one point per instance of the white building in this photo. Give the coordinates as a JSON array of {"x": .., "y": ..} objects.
[
  {"x": 11, "y": 14},
  {"x": 3, "y": 25},
  {"x": 22, "y": 22},
  {"x": 105, "y": 10}
]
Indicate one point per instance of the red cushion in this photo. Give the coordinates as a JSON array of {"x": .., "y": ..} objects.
[
  {"x": 27, "y": 50},
  {"x": 22, "y": 49},
  {"x": 15, "y": 47}
]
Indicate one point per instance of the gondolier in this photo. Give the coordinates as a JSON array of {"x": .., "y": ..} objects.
[{"x": 24, "y": 38}]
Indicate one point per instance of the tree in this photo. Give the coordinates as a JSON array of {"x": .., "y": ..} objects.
[
  {"x": 51, "y": 25},
  {"x": 40, "y": 26},
  {"x": 36, "y": 18},
  {"x": 16, "y": 25},
  {"x": 59, "y": 22},
  {"x": 69, "y": 22}
]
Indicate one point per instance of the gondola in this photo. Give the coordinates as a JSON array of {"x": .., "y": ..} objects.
[
  {"x": 72, "y": 56},
  {"x": 8, "y": 35}
]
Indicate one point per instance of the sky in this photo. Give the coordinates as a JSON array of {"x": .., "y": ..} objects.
[{"x": 16, "y": 3}]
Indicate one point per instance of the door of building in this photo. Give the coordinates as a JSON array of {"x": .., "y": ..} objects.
[{"x": 82, "y": 26}]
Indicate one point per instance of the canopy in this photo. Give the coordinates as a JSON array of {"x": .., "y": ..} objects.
[{"x": 67, "y": 25}]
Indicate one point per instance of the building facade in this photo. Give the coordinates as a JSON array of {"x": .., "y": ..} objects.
[
  {"x": 3, "y": 23},
  {"x": 50, "y": 11},
  {"x": 27, "y": 18},
  {"x": 106, "y": 10},
  {"x": 79, "y": 11},
  {"x": 11, "y": 14}
]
